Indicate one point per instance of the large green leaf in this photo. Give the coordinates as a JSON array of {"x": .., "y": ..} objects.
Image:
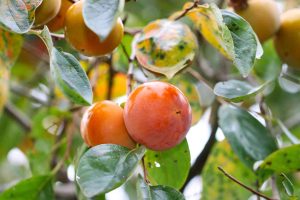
[
  {"x": 249, "y": 139},
  {"x": 146, "y": 192},
  {"x": 244, "y": 40},
  {"x": 38, "y": 187},
  {"x": 101, "y": 15},
  {"x": 70, "y": 77},
  {"x": 284, "y": 105},
  {"x": 67, "y": 72},
  {"x": 18, "y": 15},
  {"x": 236, "y": 91},
  {"x": 284, "y": 160},
  {"x": 217, "y": 186},
  {"x": 169, "y": 167},
  {"x": 106, "y": 167}
]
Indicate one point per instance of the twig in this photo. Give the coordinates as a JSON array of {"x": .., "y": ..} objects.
[
  {"x": 58, "y": 137},
  {"x": 197, "y": 168},
  {"x": 18, "y": 116},
  {"x": 195, "y": 4},
  {"x": 130, "y": 69},
  {"x": 243, "y": 185},
  {"x": 199, "y": 77},
  {"x": 132, "y": 31},
  {"x": 110, "y": 80},
  {"x": 26, "y": 92},
  {"x": 59, "y": 165}
]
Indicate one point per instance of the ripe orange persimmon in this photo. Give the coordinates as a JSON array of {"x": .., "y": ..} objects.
[
  {"x": 57, "y": 22},
  {"x": 157, "y": 115},
  {"x": 46, "y": 11},
  {"x": 86, "y": 41},
  {"x": 103, "y": 123}
]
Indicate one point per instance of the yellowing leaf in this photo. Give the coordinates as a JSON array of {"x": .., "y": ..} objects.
[
  {"x": 165, "y": 47},
  {"x": 10, "y": 46},
  {"x": 208, "y": 19},
  {"x": 100, "y": 89},
  {"x": 217, "y": 186}
]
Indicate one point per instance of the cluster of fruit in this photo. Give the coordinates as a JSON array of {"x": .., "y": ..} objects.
[
  {"x": 266, "y": 20},
  {"x": 156, "y": 115},
  {"x": 63, "y": 14}
]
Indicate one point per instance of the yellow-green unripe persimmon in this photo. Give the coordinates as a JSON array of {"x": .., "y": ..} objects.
[
  {"x": 287, "y": 39},
  {"x": 85, "y": 40},
  {"x": 263, "y": 16},
  {"x": 46, "y": 11}
]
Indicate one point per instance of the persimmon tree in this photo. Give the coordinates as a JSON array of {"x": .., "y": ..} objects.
[{"x": 109, "y": 90}]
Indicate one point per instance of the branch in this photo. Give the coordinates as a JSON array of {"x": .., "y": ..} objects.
[
  {"x": 18, "y": 116},
  {"x": 110, "y": 80},
  {"x": 195, "y": 4},
  {"x": 243, "y": 185},
  {"x": 197, "y": 168}
]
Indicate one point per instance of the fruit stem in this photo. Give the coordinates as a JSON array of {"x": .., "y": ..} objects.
[
  {"x": 145, "y": 171},
  {"x": 238, "y": 4}
]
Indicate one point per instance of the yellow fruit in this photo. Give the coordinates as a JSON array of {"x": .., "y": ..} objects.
[
  {"x": 46, "y": 11},
  {"x": 57, "y": 22},
  {"x": 263, "y": 16},
  {"x": 287, "y": 40}
]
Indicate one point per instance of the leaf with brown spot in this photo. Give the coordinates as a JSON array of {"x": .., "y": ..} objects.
[{"x": 285, "y": 160}]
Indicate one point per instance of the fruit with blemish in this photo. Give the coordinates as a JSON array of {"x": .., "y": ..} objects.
[{"x": 157, "y": 115}]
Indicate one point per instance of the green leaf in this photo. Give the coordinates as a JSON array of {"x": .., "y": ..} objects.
[
  {"x": 100, "y": 15},
  {"x": 70, "y": 77},
  {"x": 146, "y": 192},
  {"x": 45, "y": 36},
  {"x": 67, "y": 72},
  {"x": 38, "y": 187},
  {"x": 217, "y": 186},
  {"x": 244, "y": 39},
  {"x": 170, "y": 167},
  {"x": 18, "y": 15},
  {"x": 284, "y": 105},
  {"x": 268, "y": 67},
  {"x": 249, "y": 139},
  {"x": 287, "y": 184},
  {"x": 284, "y": 160},
  {"x": 236, "y": 91},
  {"x": 105, "y": 167}
]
